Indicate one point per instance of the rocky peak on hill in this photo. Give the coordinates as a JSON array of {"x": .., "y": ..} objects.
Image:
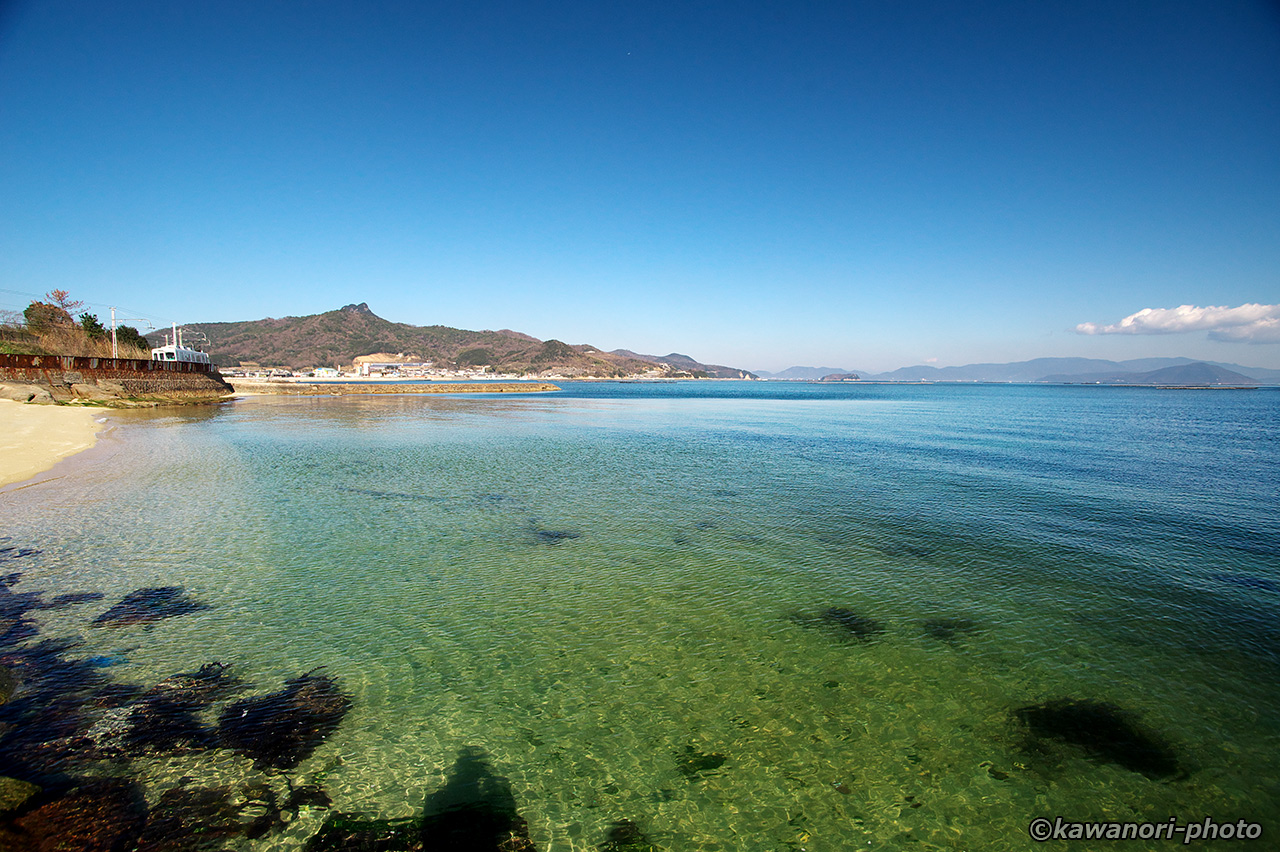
[{"x": 336, "y": 338}]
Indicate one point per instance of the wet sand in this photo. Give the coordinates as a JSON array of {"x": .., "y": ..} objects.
[{"x": 33, "y": 438}]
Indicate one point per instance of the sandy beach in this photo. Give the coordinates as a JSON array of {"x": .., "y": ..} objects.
[{"x": 33, "y": 438}]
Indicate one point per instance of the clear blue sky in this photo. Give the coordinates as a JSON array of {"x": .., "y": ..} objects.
[{"x": 854, "y": 184}]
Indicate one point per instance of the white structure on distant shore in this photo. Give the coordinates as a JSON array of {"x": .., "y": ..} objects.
[{"x": 371, "y": 368}]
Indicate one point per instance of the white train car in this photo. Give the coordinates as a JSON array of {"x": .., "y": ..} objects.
[
  {"x": 179, "y": 353},
  {"x": 173, "y": 350}
]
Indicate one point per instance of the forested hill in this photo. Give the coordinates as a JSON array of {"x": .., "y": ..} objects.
[{"x": 336, "y": 338}]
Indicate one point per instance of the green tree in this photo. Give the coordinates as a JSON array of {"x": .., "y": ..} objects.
[
  {"x": 92, "y": 327},
  {"x": 127, "y": 335},
  {"x": 43, "y": 316}
]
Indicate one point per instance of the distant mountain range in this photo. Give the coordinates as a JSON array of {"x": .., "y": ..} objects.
[
  {"x": 337, "y": 338},
  {"x": 1062, "y": 370}
]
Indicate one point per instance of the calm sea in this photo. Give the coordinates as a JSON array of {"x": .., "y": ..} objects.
[{"x": 635, "y": 598}]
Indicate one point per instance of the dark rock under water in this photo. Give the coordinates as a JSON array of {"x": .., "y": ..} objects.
[
  {"x": 97, "y": 815},
  {"x": 13, "y": 551},
  {"x": 63, "y": 723},
  {"x": 625, "y": 836},
  {"x": 196, "y": 819},
  {"x": 360, "y": 833},
  {"x": 163, "y": 719},
  {"x": 283, "y": 728},
  {"x": 556, "y": 536},
  {"x": 948, "y": 629},
  {"x": 1103, "y": 731},
  {"x": 1247, "y": 581},
  {"x": 195, "y": 689},
  {"x": 63, "y": 601},
  {"x": 841, "y": 623},
  {"x": 857, "y": 626},
  {"x": 145, "y": 606},
  {"x": 693, "y": 764},
  {"x": 52, "y": 699}
]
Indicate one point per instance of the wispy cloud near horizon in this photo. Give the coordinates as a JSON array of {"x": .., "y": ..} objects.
[{"x": 1249, "y": 323}]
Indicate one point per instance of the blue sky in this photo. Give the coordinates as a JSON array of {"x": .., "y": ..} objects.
[{"x": 855, "y": 184}]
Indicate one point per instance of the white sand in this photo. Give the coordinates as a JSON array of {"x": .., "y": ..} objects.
[{"x": 33, "y": 438}]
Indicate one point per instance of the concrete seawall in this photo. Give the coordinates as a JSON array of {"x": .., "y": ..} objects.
[{"x": 63, "y": 378}]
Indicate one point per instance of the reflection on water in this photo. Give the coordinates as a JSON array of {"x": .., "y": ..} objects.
[{"x": 722, "y": 616}]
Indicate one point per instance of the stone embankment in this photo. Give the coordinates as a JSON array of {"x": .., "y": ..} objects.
[
  {"x": 108, "y": 381},
  {"x": 345, "y": 389}
]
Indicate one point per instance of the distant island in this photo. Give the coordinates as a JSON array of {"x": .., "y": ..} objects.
[
  {"x": 354, "y": 337},
  {"x": 1143, "y": 371}
]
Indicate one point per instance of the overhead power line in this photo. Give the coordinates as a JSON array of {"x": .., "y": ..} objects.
[{"x": 137, "y": 315}]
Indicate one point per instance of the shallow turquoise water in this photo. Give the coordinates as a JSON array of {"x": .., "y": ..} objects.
[{"x": 588, "y": 584}]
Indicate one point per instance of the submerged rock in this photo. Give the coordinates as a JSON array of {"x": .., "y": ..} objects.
[
  {"x": 62, "y": 601},
  {"x": 693, "y": 764},
  {"x": 556, "y": 536},
  {"x": 1248, "y": 581},
  {"x": 8, "y": 684},
  {"x": 843, "y": 624},
  {"x": 100, "y": 815},
  {"x": 280, "y": 730},
  {"x": 196, "y": 819},
  {"x": 306, "y": 796},
  {"x": 625, "y": 836},
  {"x": 14, "y": 606},
  {"x": 190, "y": 820},
  {"x": 360, "y": 833},
  {"x": 1105, "y": 732},
  {"x": 149, "y": 726},
  {"x": 163, "y": 718},
  {"x": 149, "y": 605},
  {"x": 14, "y": 793},
  {"x": 474, "y": 811},
  {"x": 42, "y": 726},
  {"x": 858, "y": 627},
  {"x": 393, "y": 495},
  {"x": 195, "y": 689},
  {"x": 948, "y": 629},
  {"x": 12, "y": 551}
]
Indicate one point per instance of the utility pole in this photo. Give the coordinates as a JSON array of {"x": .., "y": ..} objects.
[{"x": 115, "y": 351}]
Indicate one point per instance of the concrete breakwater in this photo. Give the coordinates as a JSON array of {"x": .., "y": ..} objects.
[
  {"x": 345, "y": 389},
  {"x": 123, "y": 381}
]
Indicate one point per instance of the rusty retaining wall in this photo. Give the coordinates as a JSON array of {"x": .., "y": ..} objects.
[{"x": 67, "y": 377}]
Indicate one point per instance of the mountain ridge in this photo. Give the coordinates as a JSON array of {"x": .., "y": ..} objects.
[
  {"x": 336, "y": 338},
  {"x": 1034, "y": 370},
  {"x": 1197, "y": 373}
]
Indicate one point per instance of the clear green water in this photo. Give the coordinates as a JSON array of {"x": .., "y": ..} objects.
[{"x": 1107, "y": 544}]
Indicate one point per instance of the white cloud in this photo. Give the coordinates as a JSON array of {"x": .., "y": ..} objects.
[{"x": 1246, "y": 324}]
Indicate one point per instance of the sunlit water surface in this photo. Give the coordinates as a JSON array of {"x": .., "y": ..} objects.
[{"x": 595, "y": 585}]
